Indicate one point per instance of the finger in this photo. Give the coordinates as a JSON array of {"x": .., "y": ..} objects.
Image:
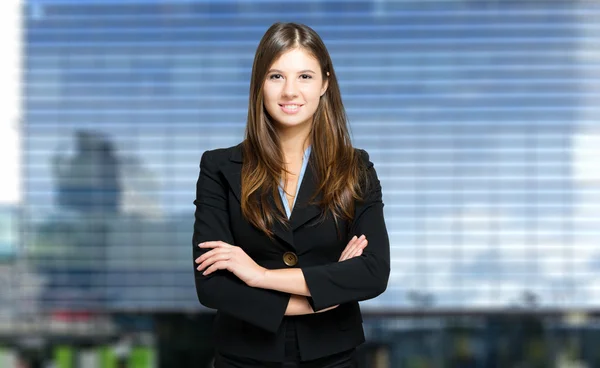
[
  {"x": 213, "y": 244},
  {"x": 355, "y": 254},
  {"x": 358, "y": 253},
  {"x": 345, "y": 251},
  {"x": 220, "y": 249},
  {"x": 352, "y": 244},
  {"x": 208, "y": 254},
  {"x": 362, "y": 245},
  {"x": 209, "y": 244},
  {"x": 358, "y": 250},
  {"x": 204, "y": 256},
  {"x": 349, "y": 245},
  {"x": 221, "y": 265},
  {"x": 215, "y": 258}
]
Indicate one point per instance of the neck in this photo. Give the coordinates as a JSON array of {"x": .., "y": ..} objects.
[{"x": 294, "y": 142}]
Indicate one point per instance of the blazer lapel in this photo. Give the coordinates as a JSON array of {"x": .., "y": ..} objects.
[
  {"x": 303, "y": 211},
  {"x": 233, "y": 175}
]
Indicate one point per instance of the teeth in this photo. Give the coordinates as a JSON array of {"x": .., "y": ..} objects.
[{"x": 291, "y": 107}]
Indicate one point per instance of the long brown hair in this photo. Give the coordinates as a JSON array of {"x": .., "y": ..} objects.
[{"x": 337, "y": 165}]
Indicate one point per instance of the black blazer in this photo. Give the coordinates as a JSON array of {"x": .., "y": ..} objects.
[{"x": 249, "y": 321}]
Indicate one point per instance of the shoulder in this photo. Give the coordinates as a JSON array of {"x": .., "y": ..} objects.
[
  {"x": 223, "y": 153},
  {"x": 368, "y": 179},
  {"x": 364, "y": 158},
  {"x": 217, "y": 157}
]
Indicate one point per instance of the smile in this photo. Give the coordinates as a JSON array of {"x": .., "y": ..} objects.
[{"x": 290, "y": 108}]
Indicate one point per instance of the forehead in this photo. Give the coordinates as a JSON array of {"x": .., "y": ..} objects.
[{"x": 296, "y": 59}]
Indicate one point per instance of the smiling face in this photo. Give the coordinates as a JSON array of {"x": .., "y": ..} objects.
[{"x": 293, "y": 88}]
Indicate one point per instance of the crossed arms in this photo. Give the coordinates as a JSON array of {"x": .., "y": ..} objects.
[{"x": 229, "y": 280}]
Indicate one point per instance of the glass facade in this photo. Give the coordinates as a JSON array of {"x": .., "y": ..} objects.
[{"x": 481, "y": 118}]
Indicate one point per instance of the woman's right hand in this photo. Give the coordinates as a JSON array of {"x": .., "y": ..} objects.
[
  {"x": 354, "y": 248},
  {"x": 299, "y": 305}
]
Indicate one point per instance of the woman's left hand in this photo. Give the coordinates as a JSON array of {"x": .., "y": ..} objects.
[{"x": 228, "y": 257}]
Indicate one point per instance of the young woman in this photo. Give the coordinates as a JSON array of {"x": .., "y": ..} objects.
[{"x": 282, "y": 219}]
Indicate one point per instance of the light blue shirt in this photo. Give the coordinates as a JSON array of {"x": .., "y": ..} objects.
[{"x": 286, "y": 205}]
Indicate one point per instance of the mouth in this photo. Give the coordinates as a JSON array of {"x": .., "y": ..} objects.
[{"x": 290, "y": 108}]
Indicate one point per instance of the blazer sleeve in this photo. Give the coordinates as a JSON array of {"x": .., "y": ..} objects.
[
  {"x": 222, "y": 290},
  {"x": 358, "y": 278}
]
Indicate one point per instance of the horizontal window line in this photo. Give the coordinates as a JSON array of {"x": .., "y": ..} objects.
[
  {"x": 531, "y": 150},
  {"x": 361, "y": 111},
  {"x": 36, "y": 125},
  {"x": 201, "y": 70},
  {"x": 492, "y": 164},
  {"x": 580, "y": 82},
  {"x": 351, "y": 42},
  {"x": 418, "y": 208},
  {"x": 410, "y": 14},
  {"x": 413, "y": 143},
  {"x": 398, "y": 56},
  {"x": 491, "y": 192},
  {"x": 227, "y": 29},
  {"x": 383, "y": 97},
  {"x": 496, "y": 236}
]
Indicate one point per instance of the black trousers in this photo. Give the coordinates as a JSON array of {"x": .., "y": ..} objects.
[{"x": 346, "y": 359}]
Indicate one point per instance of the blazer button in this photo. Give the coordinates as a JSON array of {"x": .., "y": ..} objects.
[{"x": 290, "y": 259}]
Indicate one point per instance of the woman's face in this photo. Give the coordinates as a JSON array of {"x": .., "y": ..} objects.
[{"x": 292, "y": 88}]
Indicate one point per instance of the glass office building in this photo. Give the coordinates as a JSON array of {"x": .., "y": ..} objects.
[{"x": 481, "y": 118}]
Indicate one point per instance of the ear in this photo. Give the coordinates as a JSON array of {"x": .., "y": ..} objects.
[{"x": 325, "y": 85}]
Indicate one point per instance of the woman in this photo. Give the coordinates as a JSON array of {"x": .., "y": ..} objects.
[{"x": 282, "y": 219}]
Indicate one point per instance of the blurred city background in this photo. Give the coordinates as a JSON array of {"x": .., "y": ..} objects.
[{"x": 481, "y": 116}]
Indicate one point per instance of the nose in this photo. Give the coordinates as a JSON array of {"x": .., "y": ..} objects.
[{"x": 290, "y": 89}]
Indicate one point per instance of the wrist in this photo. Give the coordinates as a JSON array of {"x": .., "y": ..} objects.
[
  {"x": 261, "y": 280},
  {"x": 258, "y": 281}
]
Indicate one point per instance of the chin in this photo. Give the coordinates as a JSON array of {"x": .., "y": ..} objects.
[
  {"x": 289, "y": 125},
  {"x": 286, "y": 122}
]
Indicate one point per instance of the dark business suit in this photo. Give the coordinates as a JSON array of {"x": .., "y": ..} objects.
[{"x": 250, "y": 321}]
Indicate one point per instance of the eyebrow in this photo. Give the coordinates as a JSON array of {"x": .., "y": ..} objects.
[{"x": 300, "y": 72}]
